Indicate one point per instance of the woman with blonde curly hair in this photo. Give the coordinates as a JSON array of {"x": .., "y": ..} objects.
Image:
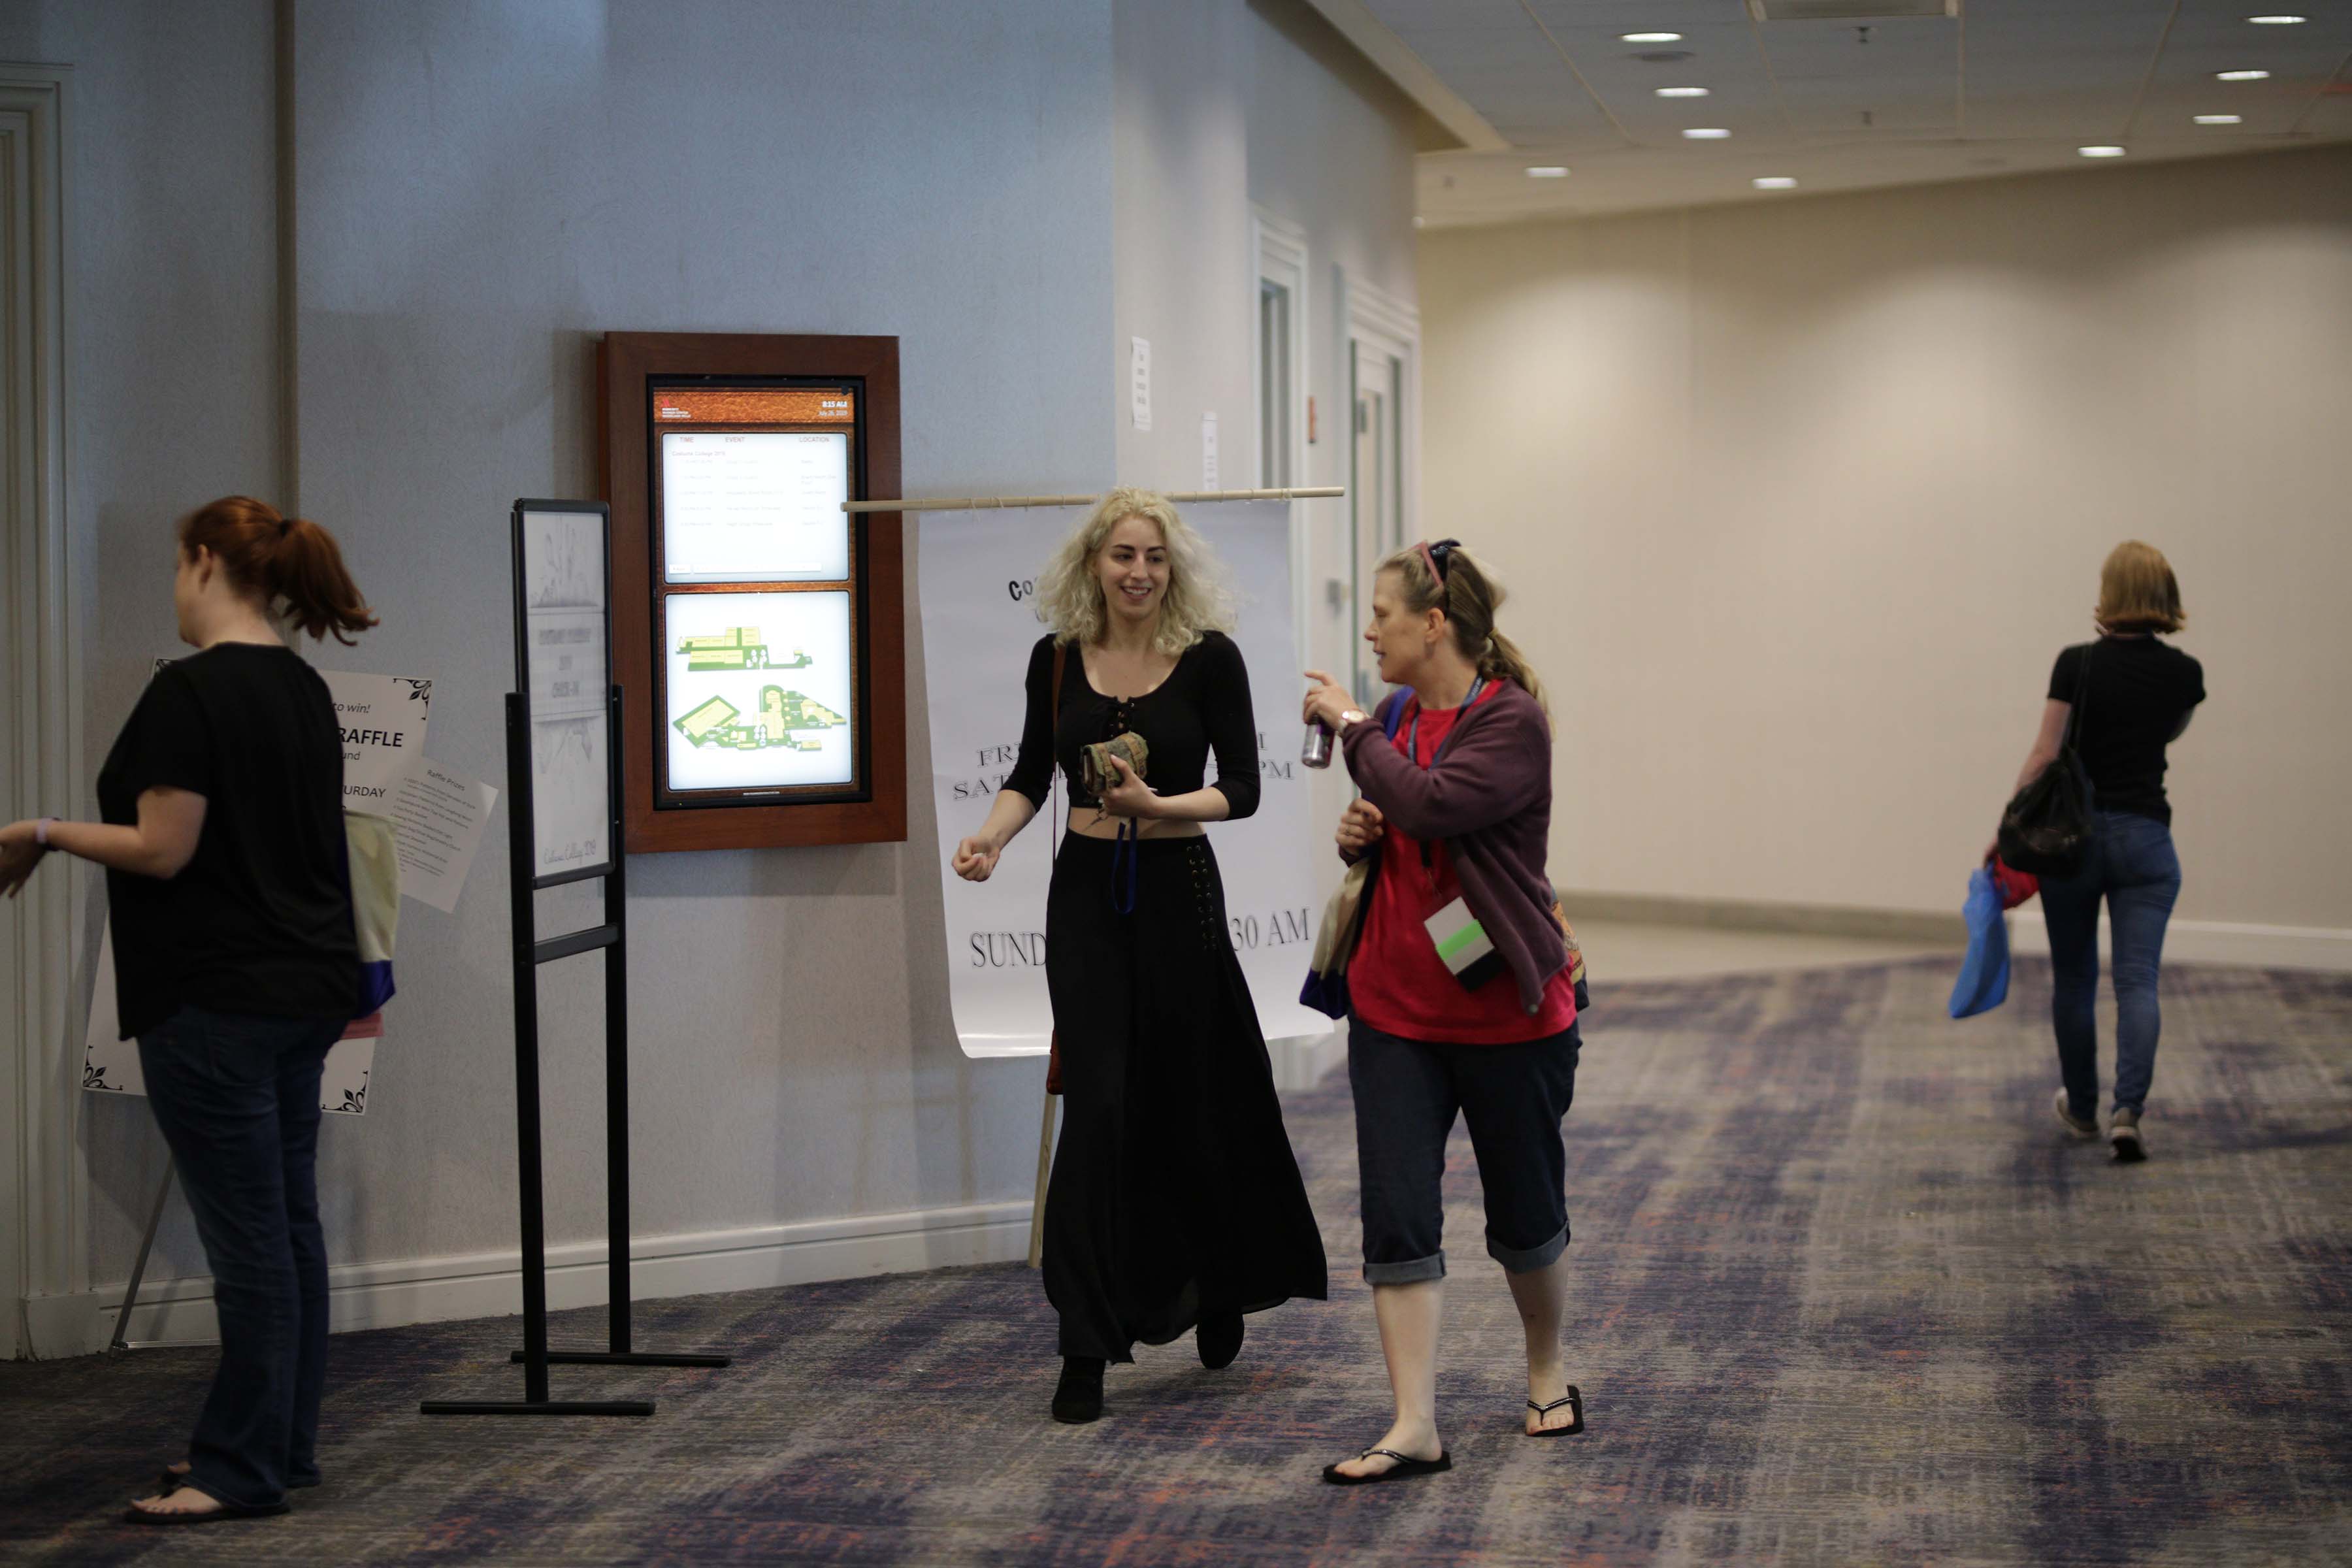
[{"x": 1174, "y": 1201}]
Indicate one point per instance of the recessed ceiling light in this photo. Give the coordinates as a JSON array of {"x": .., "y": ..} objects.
[
  {"x": 1682, "y": 93},
  {"x": 1547, "y": 172},
  {"x": 1650, "y": 38},
  {"x": 2218, "y": 119},
  {"x": 2240, "y": 76},
  {"x": 2100, "y": 152},
  {"x": 1706, "y": 133},
  {"x": 1775, "y": 183},
  {"x": 2276, "y": 21}
]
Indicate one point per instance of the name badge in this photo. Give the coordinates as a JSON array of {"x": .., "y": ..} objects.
[{"x": 1463, "y": 946}]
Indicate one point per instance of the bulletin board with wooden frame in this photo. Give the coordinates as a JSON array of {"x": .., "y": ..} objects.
[{"x": 762, "y": 643}]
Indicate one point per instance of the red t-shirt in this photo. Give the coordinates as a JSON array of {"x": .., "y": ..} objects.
[{"x": 1396, "y": 982}]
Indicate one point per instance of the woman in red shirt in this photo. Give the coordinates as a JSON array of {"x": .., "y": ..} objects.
[{"x": 1460, "y": 999}]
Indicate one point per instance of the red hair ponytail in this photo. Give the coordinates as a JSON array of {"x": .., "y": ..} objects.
[{"x": 277, "y": 558}]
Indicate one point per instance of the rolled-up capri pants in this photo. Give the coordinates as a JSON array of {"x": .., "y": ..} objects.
[{"x": 1513, "y": 1097}]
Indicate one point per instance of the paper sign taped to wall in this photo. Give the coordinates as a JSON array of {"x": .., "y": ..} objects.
[
  {"x": 383, "y": 717},
  {"x": 438, "y": 817},
  {"x": 109, "y": 1066}
]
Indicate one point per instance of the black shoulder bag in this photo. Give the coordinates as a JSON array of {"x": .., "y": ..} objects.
[{"x": 2046, "y": 826}]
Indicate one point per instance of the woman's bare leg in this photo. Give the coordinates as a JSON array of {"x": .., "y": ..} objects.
[
  {"x": 1542, "y": 1298},
  {"x": 1408, "y": 1316}
]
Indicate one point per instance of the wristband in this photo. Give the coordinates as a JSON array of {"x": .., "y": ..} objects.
[{"x": 41, "y": 831}]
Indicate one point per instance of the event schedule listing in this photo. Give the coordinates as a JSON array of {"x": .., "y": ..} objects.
[{"x": 755, "y": 506}]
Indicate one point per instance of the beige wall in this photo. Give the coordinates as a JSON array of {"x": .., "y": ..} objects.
[{"x": 1802, "y": 498}]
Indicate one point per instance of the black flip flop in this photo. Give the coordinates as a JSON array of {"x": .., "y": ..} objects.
[
  {"x": 169, "y": 1480},
  {"x": 1406, "y": 1464},
  {"x": 1575, "y": 1403}
]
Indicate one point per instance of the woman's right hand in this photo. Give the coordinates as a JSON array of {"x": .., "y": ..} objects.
[
  {"x": 19, "y": 853},
  {"x": 975, "y": 858},
  {"x": 1360, "y": 828}
]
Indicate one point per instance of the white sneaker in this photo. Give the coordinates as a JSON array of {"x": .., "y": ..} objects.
[
  {"x": 2122, "y": 1137},
  {"x": 2067, "y": 1118}
]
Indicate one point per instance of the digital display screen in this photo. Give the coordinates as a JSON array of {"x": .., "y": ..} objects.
[
  {"x": 756, "y": 605},
  {"x": 762, "y": 690}
]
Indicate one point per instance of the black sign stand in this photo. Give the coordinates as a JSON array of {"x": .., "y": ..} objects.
[{"x": 530, "y": 952}]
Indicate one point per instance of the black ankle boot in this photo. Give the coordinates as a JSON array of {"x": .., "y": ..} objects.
[
  {"x": 1219, "y": 1339},
  {"x": 1077, "y": 1398}
]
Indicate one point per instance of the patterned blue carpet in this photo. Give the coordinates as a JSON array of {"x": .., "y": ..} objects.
[{"x": 1843, "y": 1294}]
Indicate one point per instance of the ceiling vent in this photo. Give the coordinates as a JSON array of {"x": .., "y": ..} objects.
[{"x": 1848, "y": 10}]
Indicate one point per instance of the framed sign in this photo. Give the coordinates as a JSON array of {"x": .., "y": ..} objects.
[
  {"x": 564, "y": 666},
  {"x": 758, "y": 627}
]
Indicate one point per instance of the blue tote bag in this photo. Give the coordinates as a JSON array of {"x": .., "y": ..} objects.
[{"x": 1983, "y": 983}]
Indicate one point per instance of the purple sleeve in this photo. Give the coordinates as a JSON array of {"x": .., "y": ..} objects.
[{"x": 1497, "y": 763}]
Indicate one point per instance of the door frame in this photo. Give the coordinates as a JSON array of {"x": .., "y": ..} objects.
[
  {"x": 1372, "y": 318},
  {"x": 42, "y": 1185},
  {"x": 1278, "y": 256}
]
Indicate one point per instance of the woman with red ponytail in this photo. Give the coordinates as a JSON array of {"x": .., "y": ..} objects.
[{"x": 236, "y": 966}]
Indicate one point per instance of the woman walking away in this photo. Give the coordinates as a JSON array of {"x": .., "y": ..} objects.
[
  {"x": 2127, "y": 696},
  {"x": 1174, "y": 1203},
  {"x": 1460, "y": 994},
  {"x": 221, "y": 830}
]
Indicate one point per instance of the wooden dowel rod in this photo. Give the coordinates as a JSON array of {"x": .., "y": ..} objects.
[{"x": 996, "y": 503}]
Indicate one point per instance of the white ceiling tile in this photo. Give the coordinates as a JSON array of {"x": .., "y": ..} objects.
[{"x": 2043, "y": 76}]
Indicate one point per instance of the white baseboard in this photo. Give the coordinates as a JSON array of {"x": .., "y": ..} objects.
[
  {"x": 2185, "y": 941},
  {"x": 489, "y": 1284},
  {"x": 2214, "y": 942}
]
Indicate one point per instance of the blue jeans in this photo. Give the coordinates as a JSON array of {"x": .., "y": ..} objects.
[
  {"x": 1408, "y": 1094},
  {"x": 238, "y": 1099},
  {"x": 2130, "y": 863}
]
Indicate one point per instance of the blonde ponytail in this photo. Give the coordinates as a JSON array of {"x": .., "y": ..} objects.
[{"x": 1504, "y": 661}]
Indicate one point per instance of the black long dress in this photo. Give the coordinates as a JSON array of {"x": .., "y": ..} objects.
[{"x": 1174, "y": 1194}]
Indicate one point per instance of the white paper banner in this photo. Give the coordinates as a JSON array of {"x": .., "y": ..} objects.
[{"x": 978, "y": 580}]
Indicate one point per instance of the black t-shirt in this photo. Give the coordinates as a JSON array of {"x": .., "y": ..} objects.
[
  {"x": 2139, "y": 695},
  {"x": 1203, "y": 706},
  {"x": 259, "y": 922}
]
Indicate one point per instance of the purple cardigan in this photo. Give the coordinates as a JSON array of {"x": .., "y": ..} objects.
[{"x": 1489, "y": 797}]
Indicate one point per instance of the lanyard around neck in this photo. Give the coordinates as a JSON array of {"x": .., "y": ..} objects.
[
  {"x": 1413, "y": 735},
  {"x": 1413, "y": 753}
]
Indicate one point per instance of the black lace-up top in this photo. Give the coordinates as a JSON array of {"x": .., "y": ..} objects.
[{"x": 1203, "y": 705}]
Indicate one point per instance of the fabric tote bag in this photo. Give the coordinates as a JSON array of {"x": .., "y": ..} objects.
[{"x": 1983, "y": 983}]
